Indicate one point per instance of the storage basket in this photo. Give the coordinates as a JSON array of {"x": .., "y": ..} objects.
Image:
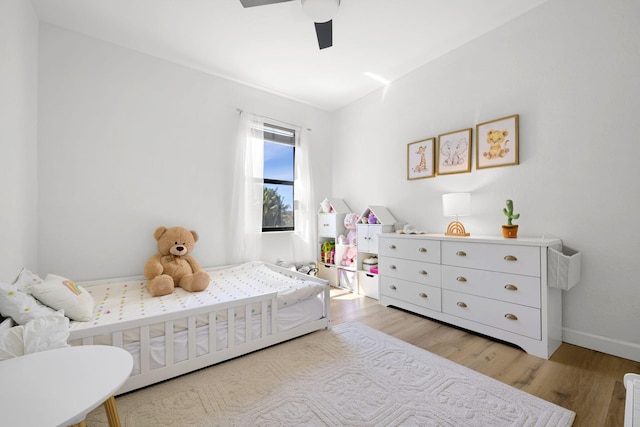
[
  {"x": 347, "y": 280},
  {"x": 563, "y": 268},
  {"x": 368, "y": 263}
]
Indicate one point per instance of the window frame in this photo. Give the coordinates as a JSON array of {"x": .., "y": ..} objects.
[{"x": 280, "y": 135}]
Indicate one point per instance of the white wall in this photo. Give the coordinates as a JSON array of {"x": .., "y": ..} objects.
[
  {"x": 570, "y": 70},
  {"x": 129, "y": 142},
  {"x": 117, "y": 129},
  {"x": 18, "y": 137}
]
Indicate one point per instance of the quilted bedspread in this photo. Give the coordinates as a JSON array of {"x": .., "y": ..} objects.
[{"x": 120, "y": 301}]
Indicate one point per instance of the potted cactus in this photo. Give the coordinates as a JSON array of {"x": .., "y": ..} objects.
[{"x": 510, "y": 230}]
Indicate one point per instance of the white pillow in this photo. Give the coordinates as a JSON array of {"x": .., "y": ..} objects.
[
  {"x": 21, "y": 307},
  {"x": 62, "y": 294},
  {"x": 25, "y": 279}
]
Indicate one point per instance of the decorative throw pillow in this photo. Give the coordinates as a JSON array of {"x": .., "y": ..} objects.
[
  {"x": 21, "y": 307},
  {"x": 62, "y": 294}
]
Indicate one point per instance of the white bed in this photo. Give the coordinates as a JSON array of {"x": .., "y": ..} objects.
[{"x": 280, "y": 304}]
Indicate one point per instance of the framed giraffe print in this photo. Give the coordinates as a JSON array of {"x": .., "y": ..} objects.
[{"x": 421, "y": 159}]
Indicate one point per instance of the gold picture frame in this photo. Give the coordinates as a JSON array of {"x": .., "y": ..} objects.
[
  {"x": 421, "y": 159},
  {"x": 454, "y": 152},
  {"x": 497, "y": 143}
]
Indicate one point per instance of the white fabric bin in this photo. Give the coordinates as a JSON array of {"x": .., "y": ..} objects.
[
  {"x": 347, "y": 279},
  {"x": 563, "y": 268}
]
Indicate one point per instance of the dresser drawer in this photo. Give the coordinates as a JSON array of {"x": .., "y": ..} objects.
[
  {"x": 409, "y": 248},
  {"x": 524, "y": 260},
  {"x": 414, "y": 271},
  {"x": 411, "y": 292},
  {"x": 498, "y": 314},
  {"x": 523, "y": 290}
]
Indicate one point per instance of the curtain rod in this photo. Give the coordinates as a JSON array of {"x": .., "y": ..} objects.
[{"x": 240, "y": 111}]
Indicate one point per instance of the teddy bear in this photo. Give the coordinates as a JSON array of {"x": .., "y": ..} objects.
[
  {"x": 495, "y": 139},
  {"x": 350, "y": 221},
  {"x": 173, "y": 266}
]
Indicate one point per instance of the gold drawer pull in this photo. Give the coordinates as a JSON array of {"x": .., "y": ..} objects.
[
  {"x": 511, "y": 287},
  {"x": 392, "y": 267},
  {"x": 461, "y": 253},
  {"x": 423, "y": 295},
  {"x": 422, "y": 250},
  {"x": 392, "y": 287},
  {"x": 461, "y": 304},
  {"x": 392, "y": 246},
  {"x": 511, "y": 316},
  {"x": 461, "y": 279},
  {"x": 510, "y": 258},
  {"x": 424, "y": 273}
]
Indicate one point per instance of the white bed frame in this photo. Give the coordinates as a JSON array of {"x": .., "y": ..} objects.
[{"x": 268, "y": 336}]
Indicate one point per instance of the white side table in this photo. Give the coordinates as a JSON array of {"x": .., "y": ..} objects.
[{"x": 60, "y": 387}]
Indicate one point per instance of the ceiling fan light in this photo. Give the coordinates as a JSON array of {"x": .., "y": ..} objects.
[{"x": 320, "y": 10}]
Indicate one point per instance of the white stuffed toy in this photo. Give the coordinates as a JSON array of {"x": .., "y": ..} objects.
[{"x": 325, "y": 206}]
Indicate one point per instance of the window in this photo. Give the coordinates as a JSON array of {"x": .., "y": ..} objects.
[{"x": 277, "y": 192}]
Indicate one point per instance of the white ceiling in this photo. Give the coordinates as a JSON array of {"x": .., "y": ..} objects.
[{"x": 274, "y": 47}]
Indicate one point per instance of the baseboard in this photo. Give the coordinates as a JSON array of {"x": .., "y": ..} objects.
[{"x": 624, "y": 349}]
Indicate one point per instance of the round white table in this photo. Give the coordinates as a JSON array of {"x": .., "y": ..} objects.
[{"x": 60, "y": 387}]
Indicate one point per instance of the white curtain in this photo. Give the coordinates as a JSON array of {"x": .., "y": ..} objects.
[
  {"x": 246, "y": 210},
  {"x": 304, "y": 246}
]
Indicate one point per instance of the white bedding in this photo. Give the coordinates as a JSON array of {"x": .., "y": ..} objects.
[{"x": 122, "y": 301}]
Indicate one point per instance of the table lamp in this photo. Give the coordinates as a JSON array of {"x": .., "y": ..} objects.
[{"x": 456, "y": 204}]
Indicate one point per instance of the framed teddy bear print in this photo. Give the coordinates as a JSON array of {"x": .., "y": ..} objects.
[
  {"x": 454, "y": 152},
  {"x": 420, "y": 159},
  {"x": 497, "y": 142}
]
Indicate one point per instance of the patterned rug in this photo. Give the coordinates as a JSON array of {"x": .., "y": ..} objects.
[{"x": 350, "y": 375}]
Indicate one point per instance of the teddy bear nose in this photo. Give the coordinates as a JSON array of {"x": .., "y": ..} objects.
[{"x": 180, "y": 248}]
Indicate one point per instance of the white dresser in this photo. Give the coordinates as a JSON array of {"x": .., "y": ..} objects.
[{"x": 490, "y": 285}]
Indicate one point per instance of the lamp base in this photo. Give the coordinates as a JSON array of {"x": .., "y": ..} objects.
[{"x": 456, "y": 229}]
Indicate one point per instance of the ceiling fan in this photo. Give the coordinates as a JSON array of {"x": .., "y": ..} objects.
[{"x": 321, "y": 11}]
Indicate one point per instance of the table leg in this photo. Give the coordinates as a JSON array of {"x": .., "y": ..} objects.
[{"x": 112, "y": 412}]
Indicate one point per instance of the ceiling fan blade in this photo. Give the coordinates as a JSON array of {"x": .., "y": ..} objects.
[
  {"x": 324, "y": 31},
  {"x": 252, "y": 3}
]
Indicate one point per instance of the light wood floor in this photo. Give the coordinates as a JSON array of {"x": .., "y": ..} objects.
[{"x": 585, "y": 381}]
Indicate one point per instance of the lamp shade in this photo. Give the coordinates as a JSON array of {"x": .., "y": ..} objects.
[{"x": 456, "y": 204}]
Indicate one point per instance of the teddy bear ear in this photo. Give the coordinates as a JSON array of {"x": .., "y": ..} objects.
[
  {"x": 195, "y": 235},
  {"x": 505, "y": 132},
  {"x": 159, "y": 232}
]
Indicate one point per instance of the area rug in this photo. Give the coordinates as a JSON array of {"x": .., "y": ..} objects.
[{"x": 350, "y": 375}]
